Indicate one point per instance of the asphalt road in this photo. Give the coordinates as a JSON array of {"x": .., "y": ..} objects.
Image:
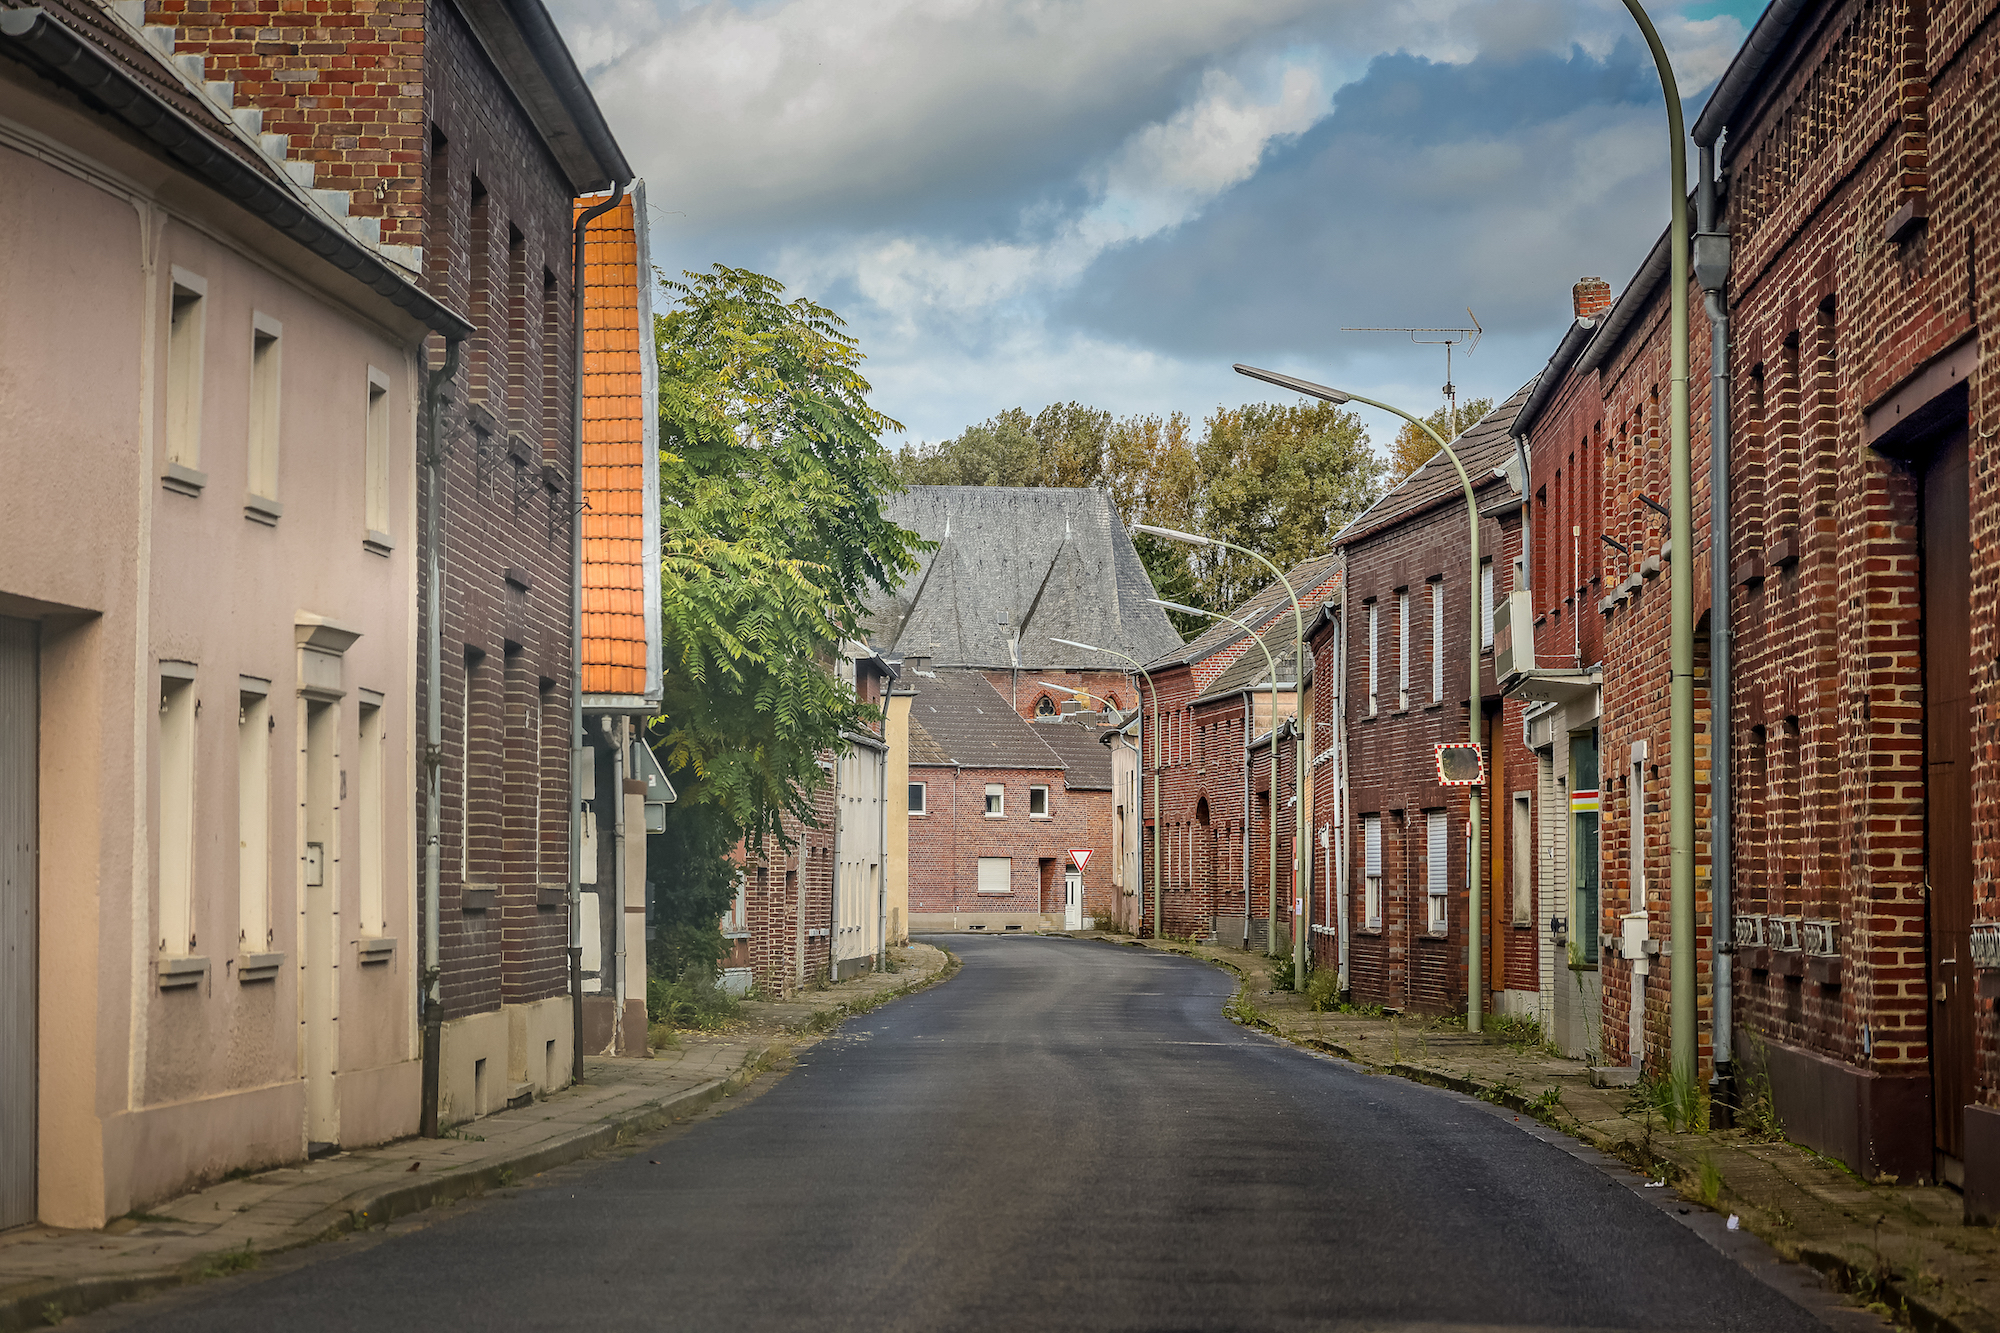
[{"x": 1068, "y": 1135}]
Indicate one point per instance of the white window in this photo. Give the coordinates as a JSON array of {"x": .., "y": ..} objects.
[
  {"x": 1374, "y": 660},
  {"x": 917, "y": 794},
  {"x": 265, "y": 366},
  {"x": 1437, "y": 642},
  {"x": 1486, "y": 605},
  {"x": 1402, "y": 650},
  {"x": 374, "y": 916},
  {"x": 996, "y": 874},
  {"x": 1371, "y": 871},
  {"x": 253, "y": 820},
  {"x": 375, "y": 463},
  {"x": 1524, "y": 858},
  {"x": 1038, "y": 802},
  {"x": 1434, "y": 869},
  {"x": 177, "y": 749},
  {"x": 184, "y": 358},
  {"x": 996, "y": 801}
]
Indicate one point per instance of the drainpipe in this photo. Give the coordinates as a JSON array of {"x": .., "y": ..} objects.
[
  {"x": 833, "y": 894},
  {"x": 579, "y": 746},
  {"x": 882, "y": 863},
  {"x": 432, "y": 992},
  {"x": 1249, "y": 782},
  {"x": 1711, "y": 270},
  {"x": 1342, "y": 818},
  {"x": 622, "y": 734}
]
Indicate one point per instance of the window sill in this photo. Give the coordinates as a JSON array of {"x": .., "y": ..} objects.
[
  {"x": 996, "y": 893},
  {"x": 179, "y": 972},
  {"x": 375, "y": 949},
  {"x": 920, "y": 814},
  {"x": 472, "y": 899},
  {"x": 996, "y": 816},
  {"x": 262, "y": 509},
  {"x": 377, "y": 543},
  {"x": 254, "y": 967},
  {"x": 1041, "y": 817},
  {"x": 183, "y": 480}
]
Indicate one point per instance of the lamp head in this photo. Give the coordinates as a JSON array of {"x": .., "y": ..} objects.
[
  {"x": 1296, "y": 385},
  {"x": 1173, "y": 534},
  {"x": 1183, "y": 607},
  {"x": 1072, "y": 643}
]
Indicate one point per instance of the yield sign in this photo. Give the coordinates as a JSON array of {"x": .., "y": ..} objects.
[{"x": 1080, "y": 855}]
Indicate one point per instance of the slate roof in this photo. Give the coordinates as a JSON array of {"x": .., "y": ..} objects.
[
  {"x": 1486, "y": 444},
  {"x": 924, "y": 749},
  {"x": 1248, "y": 669},
  {"x": 1267, "y": 602},
  {"x": 1076, "y": 743},
  {"x": 971, "y": 724},
  {"x": 1046, "y": 562}
]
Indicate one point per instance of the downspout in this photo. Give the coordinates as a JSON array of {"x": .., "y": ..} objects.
[
  {"x": 833, "y": 888},
  {"x": 882, "y": 863},
  {"x": 1342, "y": 819},
  {"x": 1711, "y": 269},
  {"x": 579, "y": 745},
  {"x": 622, "y": 730},
  {"x": 432, "y": 992}
]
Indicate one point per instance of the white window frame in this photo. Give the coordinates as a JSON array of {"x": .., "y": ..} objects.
[
  {"x": 1486, "y": 605},
  {"x": 1374, "y": 657},
  {"x": 1371, "y": 871},
  {"x": 266, "y": 381},
  {"x": 187, "y": 318},
  {"x": 178, "y": 748},
  {"x": 371, "y": 797},
  {"x": 1524, "y": 857},
  {"x": 996, "y": 800},
  {"x": 253, "y": 816},
  {"x": 375, "y": 466},
  {"x": 994, "y": 870},
  {"x": 1437, "y": 828},
  {"x": 1403, "y": 650},
  {"x": 1042, "y": 791},
  {"x": 921, "y": 806},
  {"x": 1437, "y": 642}
]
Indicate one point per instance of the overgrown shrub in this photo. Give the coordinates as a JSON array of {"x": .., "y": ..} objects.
[{"x": 694, "y": 1001}]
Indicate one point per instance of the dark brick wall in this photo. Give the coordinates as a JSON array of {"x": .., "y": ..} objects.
[{"x": 1025, "y": 690}]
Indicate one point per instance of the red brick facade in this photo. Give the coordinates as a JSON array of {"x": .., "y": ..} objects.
[{"x": 948, "y": 840}]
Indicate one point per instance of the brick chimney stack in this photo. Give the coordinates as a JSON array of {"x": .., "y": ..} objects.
[{"x": 1592, "y": 297}]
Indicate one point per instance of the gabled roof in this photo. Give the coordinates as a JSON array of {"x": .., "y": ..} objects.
[
  {"x": 521, "y": 40},
  {"x": 971, "y": 724},
  {"x": 1077, "y": 745},
  {"x": 1488, "y": 443},
  {"x": 1249, "y": 671},
  {"x": 1308, "y": 576},
  {"x": 1017, "y": 567},
  {"x": 924, "y": 748}
]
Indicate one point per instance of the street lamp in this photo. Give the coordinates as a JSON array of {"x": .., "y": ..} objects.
[
  {"x": 1680, "y": 529},
  {"x": 1141, "y": 813},
  {"x": 1271, "y": 923},
  {"x": 1301, "y": 849},
  {"x": 1475, "y": 969}
]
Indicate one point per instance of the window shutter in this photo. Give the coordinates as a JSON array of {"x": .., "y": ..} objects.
[
  {"x": 1371, "y": 839},
  {"x": 1486, "y": 604},
  {"x": 1437, "y": 642},
  {"x": 1439, "y": 844}
]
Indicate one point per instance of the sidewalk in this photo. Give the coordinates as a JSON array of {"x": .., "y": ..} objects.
[
  {"x": 48, "y": 1273},
  {"x": 1902, "y": 1251}
]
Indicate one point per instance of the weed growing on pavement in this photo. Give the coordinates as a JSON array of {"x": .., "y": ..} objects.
[
  {"x": 1676, "y": 1103},
  {"x": 1282, "y": 972},
  {"x": 1759, "y": 1113},
  {"x": 695, "y": 1001},
  {"x": 52, "y": 1313},
  {"x": 1544, "y": 1107},
  {"x": 1708, "y": 1179},
  {"x": 1514, "y": 1030},
  {"x": 231, "y": 1261},
  {"x": 1500, "y": 1093},
  {"x": 1323, "y": 989},
  {"x": 661, "y": 1036},
  {"x": 454, "y": 1132}
]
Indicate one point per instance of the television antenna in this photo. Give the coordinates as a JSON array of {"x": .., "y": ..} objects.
[{"x": 1470, "y": 337}]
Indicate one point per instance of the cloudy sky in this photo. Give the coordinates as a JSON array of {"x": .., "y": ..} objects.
[{"x": 1016, "y": 202}]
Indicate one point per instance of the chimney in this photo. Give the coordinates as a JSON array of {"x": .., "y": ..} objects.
[
  {"x": 919, "y": 663},
  {"x": 1592, "y": 297}
]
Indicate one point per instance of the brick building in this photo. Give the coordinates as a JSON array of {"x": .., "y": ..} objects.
[
  {"x": 1403, "y": 641},
  {"x": 996, "y": 803},
  {"x": 1199, "y": 862},
  {"x": 458, "y": 133},
  {"x": 1571, "y": 574}
]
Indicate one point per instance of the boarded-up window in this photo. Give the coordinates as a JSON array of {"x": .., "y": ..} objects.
[
  {"x": 1437, "y": 643},
  {"x": 1486, "y": 605},
  {"x": 996, "y": 874}
]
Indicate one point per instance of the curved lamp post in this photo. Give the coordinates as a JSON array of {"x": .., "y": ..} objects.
[
  {"x": 1147, "y": 676},
  {"x": 1475, "y": 1000},
  {"x": 1271, "y": 923},
  {"x": 1301, "y": 849},
  {"x": 1680, "y": 530}
]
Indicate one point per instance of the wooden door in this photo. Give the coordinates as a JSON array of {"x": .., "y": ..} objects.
[
  {"x": 1947, "y": 590},
  {"x": 20, "y": 713}
]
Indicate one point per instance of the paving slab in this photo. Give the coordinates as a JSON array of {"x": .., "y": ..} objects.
[{"x": 47, "y": 1273}]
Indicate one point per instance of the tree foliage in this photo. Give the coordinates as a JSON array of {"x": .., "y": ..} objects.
[
  {"x": 1279, "y": 479},
  {"x": 772, "y": 538},
  {"x": 1413, "y": 448}
]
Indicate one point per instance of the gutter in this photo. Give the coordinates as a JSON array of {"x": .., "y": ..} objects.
[
  {"x": 76, "y": 64},
  {"x": 1626, "y": 308},
  {"x": 1745, "y": 70},
  {"x": 1550, "y": 379}
]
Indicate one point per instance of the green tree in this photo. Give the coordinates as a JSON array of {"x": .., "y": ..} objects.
[
  {"x": 772, "y": 539},
  {"x": 1413, "y": 448}
]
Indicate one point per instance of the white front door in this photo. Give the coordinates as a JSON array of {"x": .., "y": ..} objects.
[{"x": 1072, "y": 901}]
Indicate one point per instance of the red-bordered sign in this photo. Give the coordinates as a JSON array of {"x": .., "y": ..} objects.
[
  {"x": 1461, "y": 764},
  {"x": 1080, "y": 855}
]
